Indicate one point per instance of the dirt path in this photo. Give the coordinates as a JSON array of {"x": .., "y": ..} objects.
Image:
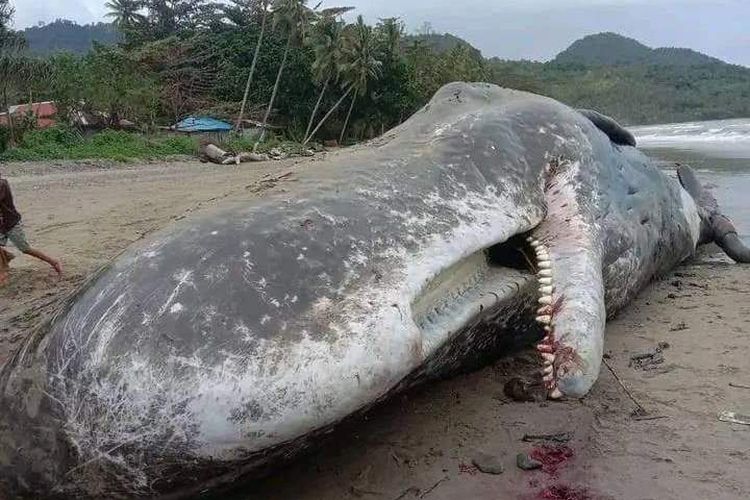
[{"x": 422, "y": 444}]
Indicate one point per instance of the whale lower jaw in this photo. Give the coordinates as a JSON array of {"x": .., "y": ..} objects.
[{"x": 470, "y": 314}]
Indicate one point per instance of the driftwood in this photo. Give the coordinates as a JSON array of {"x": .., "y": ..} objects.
[{"x": 214, "y": 154}]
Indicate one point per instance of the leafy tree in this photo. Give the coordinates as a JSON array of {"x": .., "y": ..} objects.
[
  {"x": 262, "y": 6},
  {"x": 327, "y": 41},
  {"x": 14, "y": 67},
  {"x": 360, "y": 63},
  {"x": 389, "y": 34},
  {"x": 125, "y": 14},
  {"x": 291, "y": 17}
]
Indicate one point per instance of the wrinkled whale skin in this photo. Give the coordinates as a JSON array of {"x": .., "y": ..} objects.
[{"x": 230, "y": 341}]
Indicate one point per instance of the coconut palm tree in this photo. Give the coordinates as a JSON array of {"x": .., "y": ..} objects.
[
  {"x": 390, "y": 31},
  {"x": 327, "y": 45},
  {"x": 292, "y": 17},
  {"x": 125, "y": 14},
  {"x": 360, "y": 66},
  {"x": 261, "y": 5}
]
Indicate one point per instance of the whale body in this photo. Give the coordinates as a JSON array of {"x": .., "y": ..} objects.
[{"x": 230, "y": 341}]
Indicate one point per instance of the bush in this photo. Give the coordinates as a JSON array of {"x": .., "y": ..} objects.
[
  {"x": 4, "y": 139},
  {"x": 64, "y": 143}
]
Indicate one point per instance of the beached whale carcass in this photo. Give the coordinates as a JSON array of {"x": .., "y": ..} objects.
[{"x": 227, "y": 342}]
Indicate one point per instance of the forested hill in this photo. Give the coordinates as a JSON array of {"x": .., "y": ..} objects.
[
  {"x": 636, "y": 84},
  {"x": 611, "y": 49},
  {"x": 67, "y": 36},
  {"x": 441, "y": 43}
]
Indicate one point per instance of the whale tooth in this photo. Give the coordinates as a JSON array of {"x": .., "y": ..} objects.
[
  {"x": 545, "y": 273},
  {"x": 534, "y": 243},
  {"x": 545, "y": 349},
  {"x": 545, "y": 320},
  {"x": 548, "y": 379},
  {"x": 548, "y": 370},
  {"x": 529, "y": 239},
  {"x": 548, "y": 357},
  {"x": 543, "y": 311},
  {"x": 545, "y": 281},
  {"x": 545, "y": 299},
  {"x": 545, "y": 264},
  {"x": 543, "y": 257},
  {"x": 546, "y": 290},
  {"x": 555, "y": 394}
]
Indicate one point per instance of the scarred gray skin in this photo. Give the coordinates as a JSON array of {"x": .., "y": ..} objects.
[{"x": 229, "y": 342}]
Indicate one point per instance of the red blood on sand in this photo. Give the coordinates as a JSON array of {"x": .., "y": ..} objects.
[
  {"x": 564, "y": 492},
  {"x": 552, "y": 457}
]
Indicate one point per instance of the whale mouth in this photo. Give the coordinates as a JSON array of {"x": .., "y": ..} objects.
[{"x": 471, "y": 291}]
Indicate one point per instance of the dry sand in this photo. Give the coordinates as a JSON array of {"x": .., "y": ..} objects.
[{"x": 422, "y": 444}]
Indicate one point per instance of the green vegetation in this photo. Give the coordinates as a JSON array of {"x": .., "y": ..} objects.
[
  {"x": 316, "y": 77},
  {"x": 67, "y": 144},
  {"x": 611, "y": 49},
  {"x": 66, "y": 36}
]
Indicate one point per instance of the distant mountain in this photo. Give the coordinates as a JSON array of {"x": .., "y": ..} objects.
[
  {"x": 442, "y": 43},
  {"x": 68, "y": 36},
  {"x": 611, "y": 49},
  {"x": 634, "y": 83}
]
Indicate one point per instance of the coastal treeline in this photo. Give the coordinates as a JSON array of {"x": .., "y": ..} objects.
[
  {"x": 325, "y": 74},
  {"x": 279, "y": 61}
]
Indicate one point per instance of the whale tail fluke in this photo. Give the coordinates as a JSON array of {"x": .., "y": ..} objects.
[{"x": 715, "y": 226}]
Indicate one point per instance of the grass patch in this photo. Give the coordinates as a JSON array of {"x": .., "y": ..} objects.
[{"x": 62, "y": 143}]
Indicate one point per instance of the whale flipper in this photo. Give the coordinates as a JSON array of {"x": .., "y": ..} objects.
[
  {"x": 616, "y": 132},
  {"x": 715, "y": 226}
]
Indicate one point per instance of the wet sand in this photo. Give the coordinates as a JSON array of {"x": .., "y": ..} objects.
[{"x": 423, "y": 444}]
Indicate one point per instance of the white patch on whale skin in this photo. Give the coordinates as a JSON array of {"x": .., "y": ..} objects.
[
  {"x": 690, "y": 211},
  {"x": 287, "y": 389}
]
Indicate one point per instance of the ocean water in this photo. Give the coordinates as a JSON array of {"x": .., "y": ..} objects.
[{"x": 720, "y": 153}]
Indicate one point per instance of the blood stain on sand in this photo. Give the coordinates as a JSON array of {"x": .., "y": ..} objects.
[
  {"x": 552, "y": 457},
  {"x": 564, "y": 492}
]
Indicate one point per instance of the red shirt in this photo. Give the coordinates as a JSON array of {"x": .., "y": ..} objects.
[{"x": 9, "y": 216}]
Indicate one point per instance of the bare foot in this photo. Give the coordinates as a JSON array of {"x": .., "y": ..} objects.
[{"x": 57, "y": 266}]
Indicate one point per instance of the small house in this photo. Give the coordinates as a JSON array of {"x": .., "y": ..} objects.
[{"x": 44, "y": 112}]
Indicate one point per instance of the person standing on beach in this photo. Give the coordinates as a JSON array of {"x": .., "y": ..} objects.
[{"x": 11, "y": 229}]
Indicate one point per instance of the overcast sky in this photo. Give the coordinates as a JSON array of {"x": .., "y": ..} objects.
[{"x": 515, "y": 29}]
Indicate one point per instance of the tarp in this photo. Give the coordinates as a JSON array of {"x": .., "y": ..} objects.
[{"x": 201, "y": 124}]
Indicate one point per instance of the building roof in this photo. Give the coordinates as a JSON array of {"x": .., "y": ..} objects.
[
  {"x": 44, "y": 112},
  {"x": 201, "y": 124}
]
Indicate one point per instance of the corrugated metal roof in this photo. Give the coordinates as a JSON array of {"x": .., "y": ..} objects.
[
  {"x": 44, "y": 112},
  {"x": 201, "y": 124}
]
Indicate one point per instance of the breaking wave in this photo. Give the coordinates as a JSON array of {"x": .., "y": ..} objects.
[{"x": 735, "y": 132}]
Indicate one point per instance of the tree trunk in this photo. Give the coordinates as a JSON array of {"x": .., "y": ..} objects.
[
  {"x": 12, "y": 140},
  {"x": 346, "y": 122},
  {"x": 252, "y": 69},
  {"x": 273, "y": 94},
  {"x": 328, "y": 115},
  {"x": 317, "y": 106}
]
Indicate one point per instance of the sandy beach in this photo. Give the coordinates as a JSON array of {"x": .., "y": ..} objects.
[{"x": 681, "y": 349}]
